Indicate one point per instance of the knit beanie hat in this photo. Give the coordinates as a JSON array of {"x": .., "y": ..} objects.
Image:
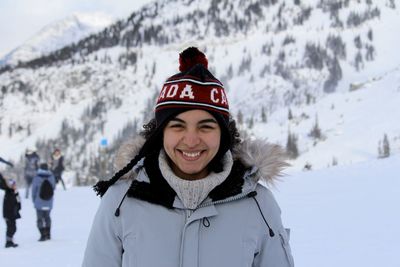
[{"x": 194, "y": 87}]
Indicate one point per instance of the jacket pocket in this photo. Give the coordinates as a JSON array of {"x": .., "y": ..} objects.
[{"x": 284, "y": 236}]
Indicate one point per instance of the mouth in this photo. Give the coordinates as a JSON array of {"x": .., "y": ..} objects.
[{"x": 190, "y": 156}]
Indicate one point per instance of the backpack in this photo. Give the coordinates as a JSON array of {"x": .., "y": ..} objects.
[{"x": 46, "y": 190}]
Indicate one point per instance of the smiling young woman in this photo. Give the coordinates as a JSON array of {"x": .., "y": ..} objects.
[
  {"x": 191, "y": 141},
  {"x": 189, "y": 193}
]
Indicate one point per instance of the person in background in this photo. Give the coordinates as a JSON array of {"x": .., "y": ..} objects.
[
  {"x": 189, "y": 193},
  {"x": 57, "y": 166},
  {"x": 11, "y": 208},
  {"x": 31, "y": 166},
  {"x": 3, "y": 183},
  {"x": 43, "y": 197}
]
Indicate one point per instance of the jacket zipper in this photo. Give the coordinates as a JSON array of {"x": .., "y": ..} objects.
[{"x": 234, "y": 198}]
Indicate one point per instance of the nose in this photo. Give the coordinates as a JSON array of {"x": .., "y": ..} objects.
[{"x": 191, "y": 138}]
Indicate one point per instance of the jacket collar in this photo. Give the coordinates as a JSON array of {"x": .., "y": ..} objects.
[
  {"x": 157, "y": 190},
  {"x": 43, "y": 173},
  {"x": 254, "y": 161}
]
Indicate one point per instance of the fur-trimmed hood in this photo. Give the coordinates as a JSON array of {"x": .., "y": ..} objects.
[{"x": 267, "y": 158}]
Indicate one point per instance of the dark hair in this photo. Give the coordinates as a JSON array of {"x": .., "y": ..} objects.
[{"x": 44, "y": 166}]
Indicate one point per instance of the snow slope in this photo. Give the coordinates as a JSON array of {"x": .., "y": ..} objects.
[
  {"x": 262, "y": 68},
  {"x": 343, "y": 216},
  {"x": 352, "y": 123}
]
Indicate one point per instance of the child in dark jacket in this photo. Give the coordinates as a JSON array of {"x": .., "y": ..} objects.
[{"x": 11, "y": 208}]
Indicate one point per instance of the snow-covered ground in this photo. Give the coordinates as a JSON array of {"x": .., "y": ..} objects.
[
  {"x": 71, "y": 220},
  {"x": 341, "y": 216},
  {"x": 344, "y": 216}
]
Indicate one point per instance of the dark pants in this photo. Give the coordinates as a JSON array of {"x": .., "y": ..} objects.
[
  {"x": 60, "y": 179},
  {"x": 11, "y": 229},
  {"x": 28, "y": 180},
  {"x": 43, "y": 219}
]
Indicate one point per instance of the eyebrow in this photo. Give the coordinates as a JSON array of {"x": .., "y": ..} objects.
[{"x": 202, "y": 121}]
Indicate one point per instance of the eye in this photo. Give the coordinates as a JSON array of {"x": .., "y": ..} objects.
[
  {"x": 207, "y": 126},
  {"x": 175, "y": 126}
]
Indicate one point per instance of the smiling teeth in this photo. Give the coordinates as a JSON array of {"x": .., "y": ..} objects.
[{"x": 191, "y": 155}]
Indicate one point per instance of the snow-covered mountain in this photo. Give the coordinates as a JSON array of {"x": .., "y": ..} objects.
[
  {"x": 333, "y": 64},
  {"x": 57, "y": 35}
]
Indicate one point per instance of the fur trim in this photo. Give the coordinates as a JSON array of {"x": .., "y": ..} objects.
[
  {"x": 268, "y": 158},
  {"x": 126, "y": 152}
]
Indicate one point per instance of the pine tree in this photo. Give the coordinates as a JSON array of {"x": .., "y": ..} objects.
[
  {"x": 240, "y": 117},
  {"x": 315, "y": 131},
  {"x": 263, "y": 115},
  {"x": 291, "y": 146},
  {"x": 250, "y": 122},
  {"x": 290, "y": 115},
  {"x": 357, "y": 42},
  {"x": 229, "y": 72},
  {"x": 334, "y": 161},
  {"x": 385, "y": 147},
  {"x": 380, "y": 153},
  {"x": 370, "y": 35},
  {"x": 335, "y": 75},
  {"x": 369, "y": 56},
  {"x": 359, "y": 64}
]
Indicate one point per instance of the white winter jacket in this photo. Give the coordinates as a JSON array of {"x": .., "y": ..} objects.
[{"x": 231, "y": 228}]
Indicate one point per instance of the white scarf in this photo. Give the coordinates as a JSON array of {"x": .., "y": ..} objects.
[{"x": 193, "y": 192}]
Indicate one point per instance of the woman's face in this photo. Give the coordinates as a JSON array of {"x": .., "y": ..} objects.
[{"x": 191, "y": 140}]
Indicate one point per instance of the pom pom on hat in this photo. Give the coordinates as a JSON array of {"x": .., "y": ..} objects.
[{"x": 191, "y": 57}]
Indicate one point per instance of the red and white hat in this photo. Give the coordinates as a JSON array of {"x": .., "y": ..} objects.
[{"x": 193, "y": 88}]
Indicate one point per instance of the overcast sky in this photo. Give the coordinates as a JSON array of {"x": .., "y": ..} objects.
[{"x": 21, "y": 19}]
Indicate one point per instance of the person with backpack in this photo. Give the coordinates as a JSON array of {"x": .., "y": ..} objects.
[
  {"x": 31, "y": 166},
  {"x": 57, "y": 166},
  {"x": 11, "y": 208},
  {"x": 43, "y": 196}
]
